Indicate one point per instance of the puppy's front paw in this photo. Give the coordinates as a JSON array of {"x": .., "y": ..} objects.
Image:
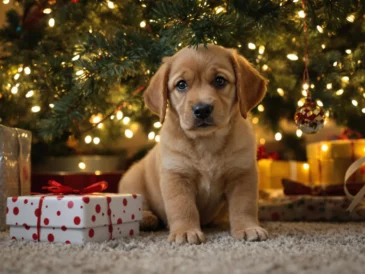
[
  {"x": 192, "y": 236},
  {"x": 251, "y": 234}
]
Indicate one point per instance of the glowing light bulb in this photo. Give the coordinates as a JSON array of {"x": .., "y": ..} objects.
[
  {"x": 76, "y": 57},
  {"x": 348, "y": 51},
  {"x": 29, "y": 94},
  {"x": 96, "y": 140},
  {"x": 260, "y": 108},
  {"x": 350, "y": 18},
  {"x": 329, "y": 86},
  {"x": 88, "y": 139},
  {"x": 47, "y": 11},
  {"x": 36, "y": 109},
  {"x": 280, "y": 91},
  {"x": 151, "y": 135},
  {"x": 301, "y": 14},
  {"x": 27, "y": 70},
  {"x": 119, "y": 115},
  {"x": 112, "y": 117},
  {"x": 255, "y": 120},
  {"x": 345, "y": 79},
  {"x": 16, "y": 76},
  {"x": 304, "y": 92},
  {"x": 261, "y": 49},
  {"x": 142, "y": 24},
  {"x": 96, "y": 119},
  {"x": 80, "y": 72},
  {"x": 265, "y": 67},
  {"x": 301, "y": 102},
  {"x": 292, "y": 57},
  {"x": 157, "y": 138},
  {"x": 251, "y": 46},
  {"x": 299, "y": 133},
  {"x": 219, "y": 10},
  {"x": 306, "y": 166},
  {"x": 319, "y": 102},
  {"x": 128, "y": 133},
  {"x": 51, "y": 105},
  {"x": 278, "y": 136},
  {"x": 6, "y": 2},
  {"x": 101, "y": 125},
  {"x": 323, "y": 46},
  {"x": 262, "y": 141},
  {"x": 82, "y": 165},
  {"x": 320, "y": 29},
  {"x": 20, "y": 69},
  {"x": 14, "y": 90},
  {"x": 339, "y": 92},
  {"x": 305, "y": 86},
  {"x": 324, "y": 147},
  {"x": 363, "y": 110},
  {"x": 335, "y": 64},
  {"x": 157, "y": 125},
  {"x": 126, "y": 120},
  {"x": 111, "y": 5},
  {"x": 355, "y": 103},
  {"x": 51, "y": 22}
]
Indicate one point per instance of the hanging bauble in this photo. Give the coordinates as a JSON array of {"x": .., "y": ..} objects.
[{"x": 310, "y": 117}]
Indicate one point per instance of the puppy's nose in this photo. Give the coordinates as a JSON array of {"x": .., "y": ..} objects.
[{"x": 202, "y": 111}]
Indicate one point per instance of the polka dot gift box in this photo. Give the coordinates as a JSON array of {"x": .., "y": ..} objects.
[{"x": 74, "y": 219}]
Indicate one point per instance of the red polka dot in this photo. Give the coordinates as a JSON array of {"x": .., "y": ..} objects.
[
  {"x": 25, "y": 201},
  {"x": 35, "y": 237},
  {"x": 109, "y": 200},
  {"x": 125, "y": 202},
  {"x": 93, "y": 218},
  {"x": 14, "y": 238},
  {"x": 102, "y": 214},
  {"x": 77, "y": 220},
  {"x": 97, "y": 208},
  {"x": 16, "y": 211},
  {"x": 119, "y": 221},
  {"x": 16, "y": 223},
  {"x": 109, "y": 212},
  {"x": 110, "y": 228},
  {"x": 31, "y": 203},
  {"x": 123, "y": 211},
  {"x": 60, "y": 197},
  {"x": 67, "y": 242},
  {"x": 131, "y": 232},
  {"x": 70, "y": 204},
  {"x": 86, "y": 199},
  {"x": 50, "y": 238},
  {"x": 14, "y": 199},
  {"x": 139, "y": 209},
  {"x": 7, "y": 210},
  {"x": 63, "y": 228},
  {"x": 46, "y": 206},
  {"x": 46, "y": 221},
  {"x": 36, "y": 212},
  {"x": 81, "y": 207},
  {"x": 22, "y": 238},
  {"x": 91, "y": 233},
  {"x": 27, "y": 227},
  {"x": 58, "y": 213},
  {"x": 134, "y": 196}
]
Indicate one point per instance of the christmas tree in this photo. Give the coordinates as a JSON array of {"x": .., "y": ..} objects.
[{"x": 74, "y": 72}]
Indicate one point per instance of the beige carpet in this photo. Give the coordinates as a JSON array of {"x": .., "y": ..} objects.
[{"x": 293, "y": 248}]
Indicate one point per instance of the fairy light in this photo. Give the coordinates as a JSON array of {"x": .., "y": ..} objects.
[
  {"x": 335, "y": 64},
  {"x": 261, "y": 49},
  {"x": 345, "y": 79},
  {"x": 301, "y": 14},
  {"x": 111, "y": 5},
  {"x": 251, "y": 46},
  {"x": 320, "y": 29},
  {"x": 299, "y": 133},
  {"x": 96, "y": 119},
  {"x": 151, "y": 135},
  {"x": 348, "y": 51},
  {"x": 306, "y": 166},
  {"x": 312, "y": 85},
  {"x": 265, "y": 67},
  {"x": 219, "y": 10},
  {"x": 239, "y": 45},
  {"x": 142, "y": 24},
  {"x": 96, "y": 140},
  {"x": 36, "y": 109},
  {"x": 278, "y": 136},
  {"x": 80, "y": 72},
  {"x": 119, "y": 115},
  {"x": 363, "y": 110},
  {"x": 262, "y": 141},
  {"x": 88, "y": 139},
  {"x": 29, "y": 94},
  {"x": 305, "y": 86},
  {"x": 329, "y": 86},
  {"x": 323, "y": 46},
  {"x": 255, "y": 120},
  {"x": 126, "y": 120},
  {"x": 27, "y": 70},
  {"x": 47, "y": 11},
  {"x": 112, "y": 117},
  {"x": 350, "y": 18},
  {"x": 260, "y": 108},
  {"x": 100, "y": 126},
  {"x": 51, "y": 105},
  {"x": 292, "y": 57},
  {"x": 280, "y": 91},
  {"x": 51, "y": 22},
  {"x": 76, "y": 57},
  {"x": 355, "y": 103},
  {"x": 339, "y": 92},
  {"x": 82, "y": 165},
  {"x": 324, "y": 147},
  {"x": 16, "y": 76},
  {"x": 128, "y": 133},
  {"x": 14, "y": 90},
  {"x": 157, "y": 125},
  {"x": 6, "y": 2},
  {"x": 304, "y": 92},
  {"x": 319, "y": 103},
  {"x": 20, "y": 69},
  {"x": 157, "y": 139},
  {"x": 301, "y": 102}
]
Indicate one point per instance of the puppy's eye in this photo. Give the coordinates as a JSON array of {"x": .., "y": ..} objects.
[
  {"x": 181, "y": 86},
  {"x": 219, "y": 82}
]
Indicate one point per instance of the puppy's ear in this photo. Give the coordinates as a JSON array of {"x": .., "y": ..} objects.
[
  {"x": 250, "y": 85},
  {"x": 155, "y": 96}
]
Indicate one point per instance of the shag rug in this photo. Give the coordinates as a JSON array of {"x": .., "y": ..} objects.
[{"x": 292, "y": 248}]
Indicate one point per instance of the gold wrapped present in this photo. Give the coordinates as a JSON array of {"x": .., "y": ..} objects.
[
  {"x": 271, "y": 172},
  {"x": 329, "y": 160}
]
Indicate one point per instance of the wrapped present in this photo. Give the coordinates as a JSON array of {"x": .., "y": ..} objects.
[
  {"x": 15, "y": 168},
  {"x": 271, "y": 172},
  {"x": 73, "y": 218},
  {"x": 329, "y": 160}
]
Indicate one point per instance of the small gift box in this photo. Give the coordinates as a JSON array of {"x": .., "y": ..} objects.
[
  {"x": 329, "y": 161},
  {"x": 271, "y": 172},
  {"x": 71, "y": 218}
]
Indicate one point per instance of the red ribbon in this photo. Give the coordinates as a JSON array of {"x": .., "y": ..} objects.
[
  {"x": 346, "y": 134},
  {"x": 57, "y": 188},
  {"x": 262, "y": 154}
]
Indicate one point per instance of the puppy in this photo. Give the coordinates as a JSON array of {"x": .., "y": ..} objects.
[{"x": 207, "y": 154}]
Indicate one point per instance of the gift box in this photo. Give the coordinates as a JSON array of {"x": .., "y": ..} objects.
[
  {"x": 271, "y": 172},
  {"x": 15, "y": 168},
  {"x": 74, "y": 218},
  {"x": 329, "y": 160}
]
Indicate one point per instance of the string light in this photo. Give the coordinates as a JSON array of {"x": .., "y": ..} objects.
[
  {"x": 112, "y": 117},
  {"x": 157, "y": 125},
  {"x": 51, "y": 105},
  {"x": 101, "y": 125},
  {"x": 36, "y": 109},
  {"x": 51, "y": 22},
  {"x": 255, "y": 120},
  {"x": 280, "y": 91},
  {"x": 239, "y": 45},
  {"x": 350, "y": 18},
  {"x": 142, "y": 24},
  {"x": 345, "y": 79},
  {"x": 14, "y": 90},
  {"x": 306, "y": 166},
  {"x": 348, "y": 51},
  {"x": 6, "y": 2},
  {"x": 251, "y": 46},
  {"x": 301, "y": 14},
  {"x": 262, "y": 141},
  {"x": 80, "y": 72},
  {"x": 292, "y": 57},
  {"x": 47, "y": 11},
  {"x": 305, "y": 86},
  {"x": 324, "y": 147},
  {"x": 260, "y": 108},
  {"x": 16, "y": 76},
  {"x": 128, "y": 133},
  {"x": 261, "y": 49},
  {"x": 319, "y": 103},
  {"x": 119, "y": 115},
  {"x": 219, "y": 9},
  {"x": 29, "y": 94},
  {"x": 76, "y": 57},
  {"x": 20, "y": 69},
  {"x": 96, "y": 118},
  {"x": 111, "y": 5},
  {"x": 363, "y": 110},
  {"x": 329, "y": 86},
  {"x": 339, "y": 92},
  {"x": 88, "y": 139},
  {"x": 151, "y": 135},
  {"x": 355, "y": 103},
  {"x": 335, "y": 64},
  {"x": 278, "y": 136},
  {"x": 27, "y": 70},
  {"x": 96, "y": 140},
  {"x": 82, "y": 165},
  {"x": 157, "y": 138},
  {"x": 299, "y": 133},
  {"x": 320, "y": 29},
  {"x": 301, "y": 102},
  {"x": 304, "y": 93},
  {"x": 126, "y": 120},
  {"x": 323, "y": 46},
  {"x": 265, "y": 67}
]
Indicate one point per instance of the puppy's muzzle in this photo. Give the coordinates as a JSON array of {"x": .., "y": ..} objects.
[{"x": 201, "y": 113}]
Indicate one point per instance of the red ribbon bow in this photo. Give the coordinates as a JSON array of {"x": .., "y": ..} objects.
[
  {"x": 262, "y": 154},
  {"x": 347, "y": 134},
  {"x": 57, "y": 188}
]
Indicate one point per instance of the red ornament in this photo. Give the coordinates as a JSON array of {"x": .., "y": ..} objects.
[{"x": 310, "y": 117}]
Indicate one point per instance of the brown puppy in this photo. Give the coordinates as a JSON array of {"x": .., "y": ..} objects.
[{"x": 207, "y": 153}]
